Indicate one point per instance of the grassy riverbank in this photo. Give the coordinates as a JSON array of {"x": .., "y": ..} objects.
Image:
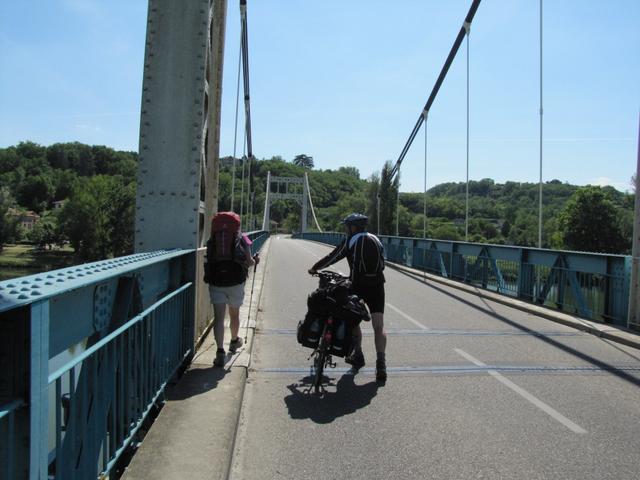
[{"x": 21, "y": 260}]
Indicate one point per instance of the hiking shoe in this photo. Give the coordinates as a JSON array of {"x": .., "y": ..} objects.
[
  {"x": 381, "y": 371},
  {"x": 220, "y": 358},
  {"x": 235, "y": 344},
  {"x": 356, "y": 360}
]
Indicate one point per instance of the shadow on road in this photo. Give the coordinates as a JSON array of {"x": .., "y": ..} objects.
[
  {"x": 326, "y": 407},
  {"x": 488, "y": 310},
  {"x": 196, "y": 381}
]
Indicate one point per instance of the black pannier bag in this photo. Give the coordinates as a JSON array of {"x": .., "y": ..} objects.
[
  {"x": 310, "y": 329},
  {"x": 341, "y": 337},
  {"x": 336, "y": 301}
]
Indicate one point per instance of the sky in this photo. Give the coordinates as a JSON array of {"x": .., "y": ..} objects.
[{"x": 345, "y": 81}]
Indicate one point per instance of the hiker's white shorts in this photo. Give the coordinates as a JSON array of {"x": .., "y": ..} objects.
[{"x": 233, "y": 295}]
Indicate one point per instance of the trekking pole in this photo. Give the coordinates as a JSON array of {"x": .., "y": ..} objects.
[{"x": 253, "y": 282}]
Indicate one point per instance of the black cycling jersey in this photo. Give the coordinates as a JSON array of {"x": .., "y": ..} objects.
[{"x": 365, "y": 255}]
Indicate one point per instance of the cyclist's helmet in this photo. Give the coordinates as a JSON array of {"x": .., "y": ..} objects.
[{"x": 356, "y": 219}]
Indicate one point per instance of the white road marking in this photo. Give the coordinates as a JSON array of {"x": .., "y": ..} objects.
[
  {"x": 411, "y": 319},
  {"x": 526, "y": 395}
]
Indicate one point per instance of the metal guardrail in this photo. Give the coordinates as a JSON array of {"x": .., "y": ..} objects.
[
  {"x": 85, "y": 353},
  {"x": 590, "y": 285}
]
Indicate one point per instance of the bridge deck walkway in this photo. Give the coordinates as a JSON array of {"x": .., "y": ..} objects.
[{"x": 476, "y": 389}]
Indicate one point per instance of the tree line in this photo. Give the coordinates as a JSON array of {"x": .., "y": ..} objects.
[{"x": 97, "y": 185}]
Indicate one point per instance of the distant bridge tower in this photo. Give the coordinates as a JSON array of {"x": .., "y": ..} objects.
[
  {"x": 283, "y": 183},
  {"x": 180, "y": 123}
]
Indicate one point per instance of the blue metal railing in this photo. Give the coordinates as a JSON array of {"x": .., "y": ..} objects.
[
  {"x": 86, "y": 352},
  {"x": 7, "y": 436},
  {"x": 593, "y": 286}
]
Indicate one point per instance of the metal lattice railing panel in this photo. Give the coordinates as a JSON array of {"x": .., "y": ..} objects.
[{"x": 593, "y": 286}]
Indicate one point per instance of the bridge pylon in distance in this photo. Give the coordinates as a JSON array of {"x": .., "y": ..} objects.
[
  {"x": 177, "y": 188},
  {"x": 286, "y": 188}
]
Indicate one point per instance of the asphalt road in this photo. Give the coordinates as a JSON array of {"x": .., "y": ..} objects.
[{"x": 475, "y": 390}]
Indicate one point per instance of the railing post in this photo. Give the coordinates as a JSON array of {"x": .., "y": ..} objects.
[
  {"x": 38, "y": 388},
  {"x": 525, "y": 276}
]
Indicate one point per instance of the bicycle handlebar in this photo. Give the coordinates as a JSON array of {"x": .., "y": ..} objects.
[{"x": 329, "y": 274}]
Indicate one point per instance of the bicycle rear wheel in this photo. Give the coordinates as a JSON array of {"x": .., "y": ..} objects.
[{"x": 318, "y": 365}]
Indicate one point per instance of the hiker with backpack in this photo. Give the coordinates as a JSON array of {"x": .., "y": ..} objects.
[
  {"x": 365, "y": 255},
  {"x": 225, "y": 270}
]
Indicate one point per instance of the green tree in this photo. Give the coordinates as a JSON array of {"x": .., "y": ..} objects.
[
  {"x": 8, "y": 222},
  {"x": 98, "y": 218},
  {"x": 36, "y": 192},
  {"x": 590, "y": 223},
  {"x": 44, "y": 233},
  {"x": 388, "y": 198},
  {"x": 304, "y": 161}
]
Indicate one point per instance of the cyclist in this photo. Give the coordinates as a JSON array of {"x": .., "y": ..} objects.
[{"x": 365, "y": 255}]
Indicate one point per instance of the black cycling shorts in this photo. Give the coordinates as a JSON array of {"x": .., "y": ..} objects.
[{"x": 373, "y": 296}]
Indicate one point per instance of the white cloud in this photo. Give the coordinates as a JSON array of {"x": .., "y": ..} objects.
[{"x": 606, "y": 181}]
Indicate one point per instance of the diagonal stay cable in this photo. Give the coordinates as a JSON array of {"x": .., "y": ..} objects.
[
  {"x": 434, "y": 92},
  {"x": 245, "y": 76}
]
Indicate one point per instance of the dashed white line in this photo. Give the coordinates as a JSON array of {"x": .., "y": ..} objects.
[
  {"x": 526, "y": 395},
  {"x": 408, "y": 317}
]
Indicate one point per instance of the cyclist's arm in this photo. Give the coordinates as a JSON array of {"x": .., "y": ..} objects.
[{"x": 336, "y": 255}]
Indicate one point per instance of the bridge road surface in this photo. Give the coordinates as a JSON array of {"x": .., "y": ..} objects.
[{"x": 475, "y": 390}]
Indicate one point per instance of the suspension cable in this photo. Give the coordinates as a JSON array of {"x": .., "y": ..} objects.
[
  {"x": 466, "y": 217},
  {"x": 235, "y": 133},
  {"x": 245, "y": 74},
  {"x": 438, "y": 84},
  {"x": 540, "y": 182},
  {"x": 424, "y": 199},
  {"x": 244, "y": 161},
  {"x": 398, "y": 206},
  {"x": 313, "y": 212}
]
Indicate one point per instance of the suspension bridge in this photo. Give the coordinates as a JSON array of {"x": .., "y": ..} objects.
[{"x": 503, "y": 362}]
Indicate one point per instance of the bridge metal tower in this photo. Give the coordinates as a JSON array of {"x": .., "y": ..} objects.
[
  {"x": 178, "y": 165},
  {"x": 180, "y": 123},
  {"x": 283, "y": 183}
]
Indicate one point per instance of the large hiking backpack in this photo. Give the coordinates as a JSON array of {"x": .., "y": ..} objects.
[{"x": 225, "y": 254}]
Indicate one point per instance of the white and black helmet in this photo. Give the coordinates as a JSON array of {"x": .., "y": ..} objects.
[{"x": 356, "y": 219}]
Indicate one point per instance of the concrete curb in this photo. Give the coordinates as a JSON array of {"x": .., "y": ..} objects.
[{"x": 615, "y": 334}]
